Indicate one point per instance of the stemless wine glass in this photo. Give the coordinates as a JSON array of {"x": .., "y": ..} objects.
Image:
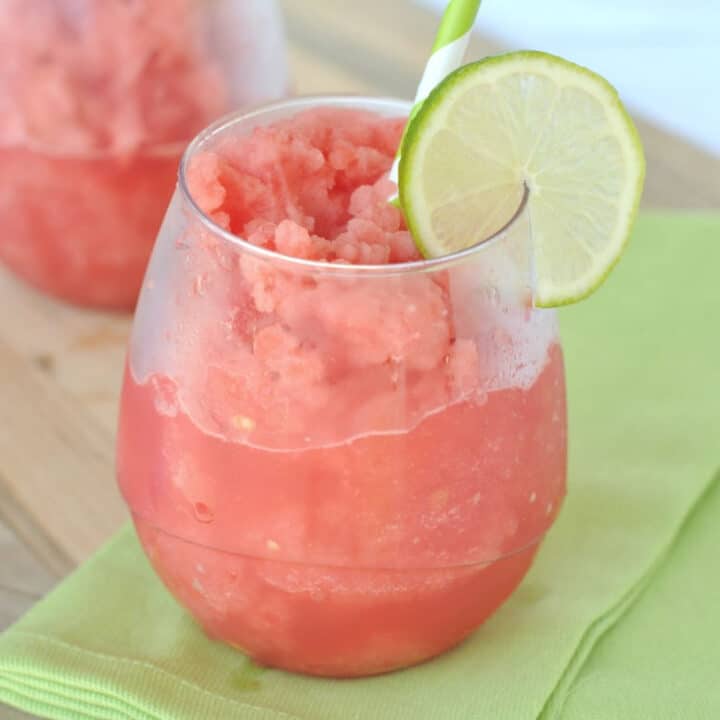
[
  {"x": 97, "y": 102},
  {"x": 340, "y": 470}
]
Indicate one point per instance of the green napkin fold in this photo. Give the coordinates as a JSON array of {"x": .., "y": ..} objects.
[
  {"x": 662, "y": 659},
  {"x": 615, "y": 619}
]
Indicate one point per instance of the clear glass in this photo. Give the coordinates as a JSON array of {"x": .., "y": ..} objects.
[
  {"x": 98, "y": 99},
  {"x": 341, "y": 470}
]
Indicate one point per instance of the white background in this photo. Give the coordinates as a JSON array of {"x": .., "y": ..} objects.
[{"x": 662, "y": 55}]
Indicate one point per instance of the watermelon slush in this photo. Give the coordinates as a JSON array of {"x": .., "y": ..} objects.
[
  {"x": 340, "y": 470},
  {"x": 97, "y": 102}
]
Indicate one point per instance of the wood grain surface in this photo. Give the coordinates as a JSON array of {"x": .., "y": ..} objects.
[{"x": 60, "y": 367}]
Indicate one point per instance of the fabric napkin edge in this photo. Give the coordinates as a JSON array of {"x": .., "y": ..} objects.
[{"x": 604, "y": 623}]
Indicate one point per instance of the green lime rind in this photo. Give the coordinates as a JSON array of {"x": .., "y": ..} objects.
[{"x": 431, "y": 115}]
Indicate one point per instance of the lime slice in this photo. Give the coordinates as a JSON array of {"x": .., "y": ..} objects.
[{"x": 526, "y": 118}]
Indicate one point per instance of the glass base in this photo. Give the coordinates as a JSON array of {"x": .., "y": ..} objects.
[{"x": 330, "y": 621}]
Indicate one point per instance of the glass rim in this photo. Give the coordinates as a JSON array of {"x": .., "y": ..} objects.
[{"x": 302, "y": 102}]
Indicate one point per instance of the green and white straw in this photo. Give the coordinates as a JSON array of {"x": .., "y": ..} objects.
[{"x": 448, "y": 53}]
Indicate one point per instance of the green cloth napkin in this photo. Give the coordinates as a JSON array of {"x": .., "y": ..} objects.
[
  {"x": 662, "y": 658},
  {"x": 616, "y": 616}
]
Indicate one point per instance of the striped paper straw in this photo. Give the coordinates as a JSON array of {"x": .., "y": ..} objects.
[{"x": 448, "y": 51}]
